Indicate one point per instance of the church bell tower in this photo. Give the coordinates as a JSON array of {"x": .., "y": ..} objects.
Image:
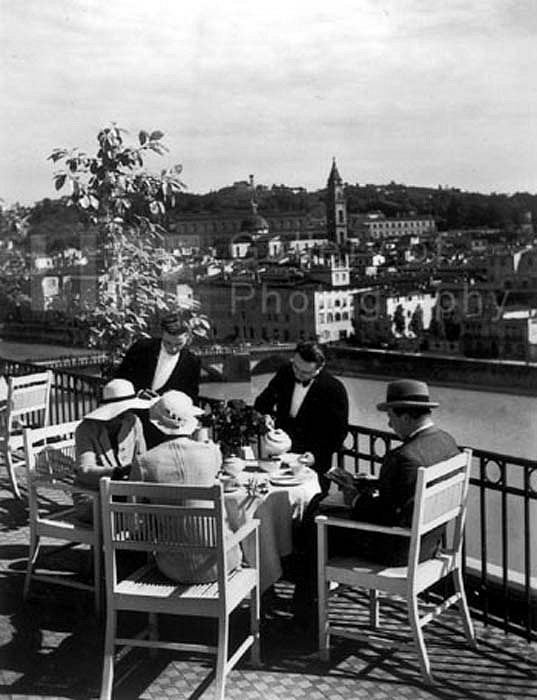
[{"x": 336, "y": 207}]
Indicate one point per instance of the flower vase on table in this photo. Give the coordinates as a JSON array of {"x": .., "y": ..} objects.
[{"x": 236, "y": 427}]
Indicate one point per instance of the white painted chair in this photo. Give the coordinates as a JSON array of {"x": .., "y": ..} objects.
[
  {"x": 155, "y": 526},
  {"x": 50, "y": 461},
  {"x": 440, "y": 498},
  {"x": 27, "y": 405}
]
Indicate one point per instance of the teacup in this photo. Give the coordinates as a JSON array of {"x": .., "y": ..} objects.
[
  {"x": 233, "y": 465},
  {"x": 296, "y": 467},
  {"x": 271, "y": 465}
]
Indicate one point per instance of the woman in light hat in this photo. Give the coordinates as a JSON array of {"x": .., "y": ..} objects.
[
  {"x": 182, "y": 460},
  {"x": 107, "y": 441}
]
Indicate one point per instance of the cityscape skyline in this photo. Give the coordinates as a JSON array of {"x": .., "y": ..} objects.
[{"x": 423, "y": 95}]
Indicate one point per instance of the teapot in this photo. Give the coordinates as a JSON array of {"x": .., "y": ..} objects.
[{"x": 275, "y": 442}]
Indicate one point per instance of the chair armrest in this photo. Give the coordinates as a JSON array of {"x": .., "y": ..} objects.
[
  {"x": 324, "y": 521},
  {"x": 242, "y": 533},
  {"x": 65, "y": 486}
]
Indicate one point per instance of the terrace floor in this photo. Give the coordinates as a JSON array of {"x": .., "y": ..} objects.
[{"x": 51, "y": 647}]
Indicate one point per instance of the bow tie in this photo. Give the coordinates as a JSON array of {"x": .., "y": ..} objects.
[{"x": 304, "y": 384}]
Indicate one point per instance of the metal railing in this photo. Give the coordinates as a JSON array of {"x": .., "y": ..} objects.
[{"x": 500, "y": 556}]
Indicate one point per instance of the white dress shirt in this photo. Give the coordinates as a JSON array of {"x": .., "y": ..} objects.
[
  {"x": 166, "y": 363},
  {"x": 299, "y": 394}
]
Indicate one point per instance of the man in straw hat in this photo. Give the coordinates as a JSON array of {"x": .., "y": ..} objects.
[
  {"x": 182, "y": 460},
  {"x": 391, "y": 503},
  {"x": 107, "y": 441}
]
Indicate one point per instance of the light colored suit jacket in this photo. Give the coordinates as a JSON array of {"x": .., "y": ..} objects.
[{"x": 184, "y": 461}]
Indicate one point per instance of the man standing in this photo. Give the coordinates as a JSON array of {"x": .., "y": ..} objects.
[
  {"x": 310, "y": 405},
  {"x": 161, "y": 364}
]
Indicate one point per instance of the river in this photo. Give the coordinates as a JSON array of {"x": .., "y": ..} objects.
[{"x": 486, "y": 420}]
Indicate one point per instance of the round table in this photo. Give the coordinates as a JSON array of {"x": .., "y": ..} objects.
[{"x": 276, "y": 511}]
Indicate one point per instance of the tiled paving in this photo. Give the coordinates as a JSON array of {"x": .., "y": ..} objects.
[{"x": 51, "y": 648}]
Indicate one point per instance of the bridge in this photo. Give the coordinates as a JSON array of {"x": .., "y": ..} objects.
[{"x": 237, "y": 364}]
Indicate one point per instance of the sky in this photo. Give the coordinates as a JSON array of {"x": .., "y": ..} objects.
[{"x": 423, "y": 92}]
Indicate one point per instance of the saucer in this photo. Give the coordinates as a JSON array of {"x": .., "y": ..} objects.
[{"x": 286, "y": 479}]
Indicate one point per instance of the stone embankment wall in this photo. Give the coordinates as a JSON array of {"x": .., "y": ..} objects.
[{"x": 492, "y": 375}]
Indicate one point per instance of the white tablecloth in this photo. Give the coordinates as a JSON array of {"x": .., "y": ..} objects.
[{"x": 276, "y": 511}]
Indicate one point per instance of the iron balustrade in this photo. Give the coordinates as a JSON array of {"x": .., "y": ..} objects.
[{"x": 502, "y": 512}]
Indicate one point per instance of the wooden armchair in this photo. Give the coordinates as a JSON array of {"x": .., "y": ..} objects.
[
  {"x": 440, "y": 498},
  {"x": 27, "y": 405},
  {"x": 147, "y": 522},
  {"x": 50, "y": 462}
]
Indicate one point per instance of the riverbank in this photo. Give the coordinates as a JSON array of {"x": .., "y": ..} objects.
[
  {"x": 32, "y": 352},
  {"x": 440, "y": 370}
]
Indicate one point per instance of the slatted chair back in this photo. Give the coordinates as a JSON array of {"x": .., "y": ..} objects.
[
  {"x": 187, "y": 521},
  {"x": 28, "y": 400},
  {"x": 50, "y": 468},
  {"x": 50, "y": 459},
  {"x": 27, "y": 405},
  {"x": 440, "y": 500}
]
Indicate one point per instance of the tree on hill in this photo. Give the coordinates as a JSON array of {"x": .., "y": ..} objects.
[
  {"x": 399, "y": 321},
  {"x": 126, "y": 204},
  {"x": 15, "y": 260},
  {"x": 416, "y": 321}
]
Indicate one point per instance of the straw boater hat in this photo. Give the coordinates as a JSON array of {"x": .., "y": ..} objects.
[
  {"x": 407, "y": 393},
  {"x": 118, "y": 396},
  {"x": 175, "y": 414}
]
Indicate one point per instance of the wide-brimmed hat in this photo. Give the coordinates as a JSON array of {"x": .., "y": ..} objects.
[
  {"x": 175, "y": 414},
  {"x": 407, "y": 393},
  {"x": 118, "y": 396}
]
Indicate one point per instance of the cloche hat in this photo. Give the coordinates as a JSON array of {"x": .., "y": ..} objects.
[
  {"x": 175, "y": 414},
  {"x": 407, "y": 393},
  {"x": 118, "y": 396}
]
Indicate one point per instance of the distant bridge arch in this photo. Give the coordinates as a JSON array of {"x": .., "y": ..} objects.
[
  {"x": 268, "y": 365},
  {"x": 212, "y": 372}
]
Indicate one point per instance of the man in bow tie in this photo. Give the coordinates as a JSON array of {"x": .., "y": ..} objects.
[{"x": 311, "y": 406}]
